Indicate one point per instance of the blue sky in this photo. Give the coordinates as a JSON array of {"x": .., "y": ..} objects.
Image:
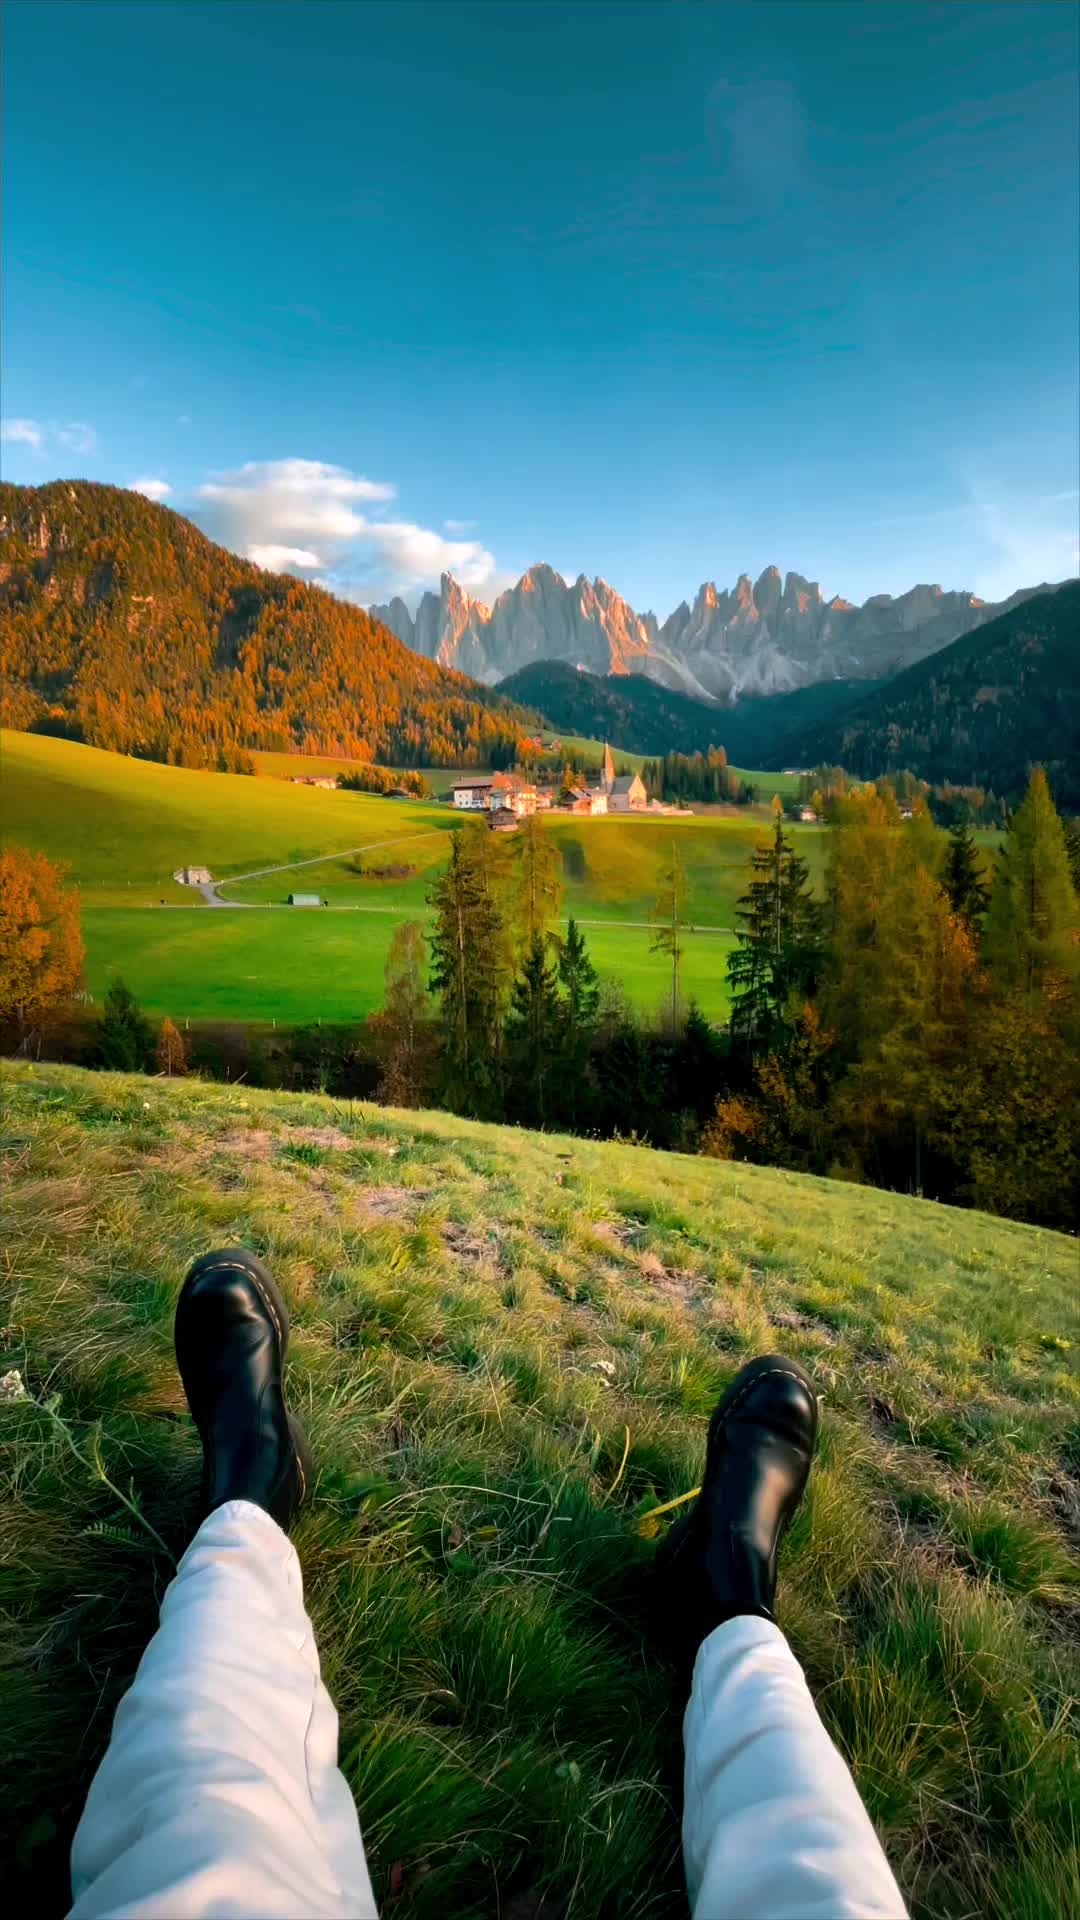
[{"x": 663, "y": 292}]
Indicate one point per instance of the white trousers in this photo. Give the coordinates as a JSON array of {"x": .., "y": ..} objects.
[{"x": 219, "y": 1796}]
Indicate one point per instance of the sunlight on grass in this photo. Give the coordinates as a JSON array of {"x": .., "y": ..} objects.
[{"x": 504, "y": 1357}]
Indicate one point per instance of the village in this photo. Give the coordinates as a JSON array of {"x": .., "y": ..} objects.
[{"x": 507, "y": 798}]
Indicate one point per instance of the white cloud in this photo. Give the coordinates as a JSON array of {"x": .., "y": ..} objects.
[
  {"x": 458, "y": 526},
  {"x": 76, "y": 435},
  {"x": 309, "y": 514},
  {"x": 277, "y": 559},
  {"x": 153, "y": 488},
  {"x": 28, "y": 432}
]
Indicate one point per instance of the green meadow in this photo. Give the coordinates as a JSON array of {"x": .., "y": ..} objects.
[
  {"x": 125, "y": 825},
  {"x": 506, "y": 1346}
]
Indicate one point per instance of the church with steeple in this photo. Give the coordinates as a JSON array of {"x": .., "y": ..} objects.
[{"x": 625, "y": 791}]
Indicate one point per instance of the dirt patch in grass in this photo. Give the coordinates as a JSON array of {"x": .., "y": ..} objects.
[
  {"x": 391, "y": 1203},
  {"x": 256, "y": 1142},
  {"x": 681, "y": 1284},
  {"x": 795, "y": 1322},
  {"x": 320, "y": 1136},
  {"x": 471, "y": 1246},
  {"x": 610, "y": 1233}
]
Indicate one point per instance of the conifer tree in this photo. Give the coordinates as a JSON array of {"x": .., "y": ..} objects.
[
  {"x": 580, "y": 1011},
  {"x": 533, "y": 1030},
  {"x": 776, "y": 962},
  {"x": 538, "y": 881},
  {"x": 898, "y": 982},
  {"x": 125, "y": 1039},
  {"x": 171, "y": 1052},
  {"x": 962, "y": 877},
  {"x": 403, "y": 1028},
  {"x": 470, "y": 972},
  {"x": 1033, "y": 920}
]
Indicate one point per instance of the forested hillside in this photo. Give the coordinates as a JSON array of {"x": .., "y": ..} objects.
[
  {"x": 980, "y": 712},
  {"x": 641, "y": 716},
  {"x": 123, "y": 626}
]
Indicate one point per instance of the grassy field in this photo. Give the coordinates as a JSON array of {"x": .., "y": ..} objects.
[
  {"x": 125, "y": 825},
  {"x": 506, "y": 1346},
  {"x": 257, "y": 965}
]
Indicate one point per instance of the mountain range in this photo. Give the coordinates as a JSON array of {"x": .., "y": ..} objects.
[
  {"x": 978, "y": 712},
  {"x": 769, "y": 637},
  {"x": 122, "y": 625}
]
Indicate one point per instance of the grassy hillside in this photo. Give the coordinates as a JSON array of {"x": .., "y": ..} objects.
[
  {"x": 125, "y": 825},
  {"x": 506, "y": 1347}
]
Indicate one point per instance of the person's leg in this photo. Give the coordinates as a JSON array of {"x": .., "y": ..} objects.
[
  {"x": 219, "y": 1794},
  {"x": 773, "y": 1827}
]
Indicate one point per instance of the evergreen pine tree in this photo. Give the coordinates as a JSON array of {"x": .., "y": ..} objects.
[
  {"x": 125, "y": 1038},
  {"x": 1033, "y": 918},
  {"x": 533, "y": 1030},
  {"x": 697, "y": 1065},
  {"x": 580, "y": 1012},
  {"x": 962, "y": 877},
  {"x": 470, "y": 972},
  {"x": 778, "y": 955}
]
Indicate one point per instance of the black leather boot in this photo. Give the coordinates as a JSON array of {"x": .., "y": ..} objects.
[
  {"x": 231, "y": 1333},
  {"x": 720, "y": 1560}
]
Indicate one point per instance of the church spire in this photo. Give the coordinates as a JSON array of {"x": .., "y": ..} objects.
[{"x": 608, "y": 780}]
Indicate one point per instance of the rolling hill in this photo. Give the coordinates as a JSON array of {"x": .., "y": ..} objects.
[
  {"x": 505, "y": 1349},
  {"x": 980, "y": 712},
  {"x": 125, "y": 627}
]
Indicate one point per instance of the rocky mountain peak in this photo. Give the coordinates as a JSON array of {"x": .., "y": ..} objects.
[{"x": 768, "y": 636}]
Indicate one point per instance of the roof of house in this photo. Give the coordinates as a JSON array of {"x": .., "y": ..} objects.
[
  {"x": 474, "y": 780},
  {"x": 624, "y": 781}
]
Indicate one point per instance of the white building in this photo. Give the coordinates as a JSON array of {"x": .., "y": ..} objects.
[
  {"x": 473, "y": 793},
  {"x": 627, "y": 794}
]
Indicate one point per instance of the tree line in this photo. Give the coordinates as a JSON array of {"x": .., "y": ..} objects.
[{"x": 704, "y": 777}]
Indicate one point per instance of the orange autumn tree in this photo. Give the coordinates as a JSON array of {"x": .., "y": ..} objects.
[{"x": 41, "y": 947}]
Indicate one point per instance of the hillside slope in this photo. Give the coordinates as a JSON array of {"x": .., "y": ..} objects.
[
  {"x": 641, "y": 716},
  {"x": 125, "y": 627},
  {"x": 505, "y": 1348},
  {"x": 980, "y": 712}
]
